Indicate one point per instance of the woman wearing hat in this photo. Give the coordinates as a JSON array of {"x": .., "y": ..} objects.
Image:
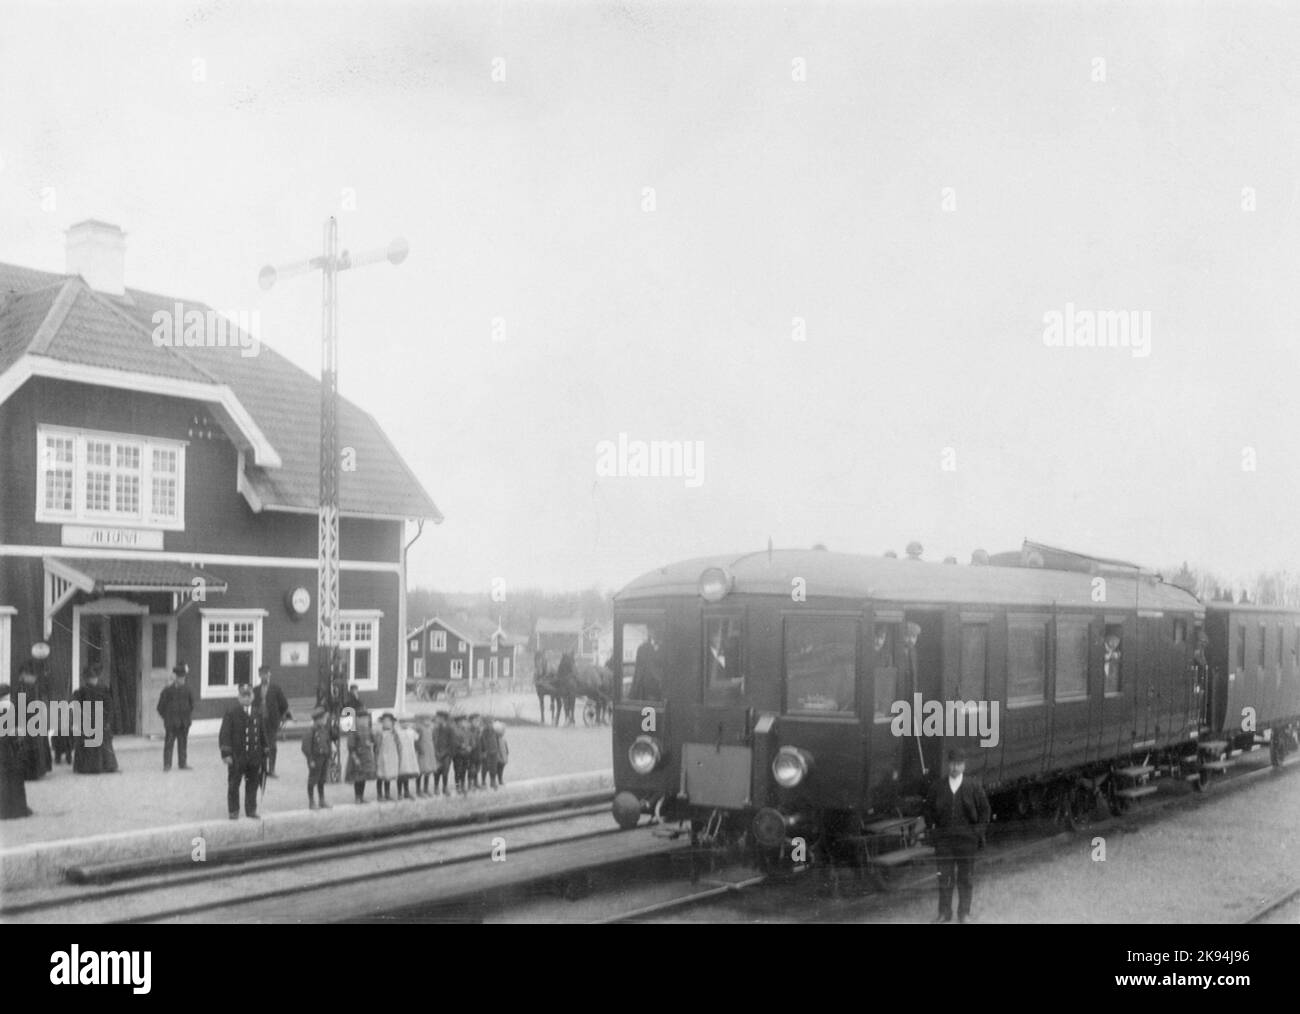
[
  {"x": 13, "y": 793},
  {"x": 96, "y": 760},
  {"x": 36, "y": 749}
]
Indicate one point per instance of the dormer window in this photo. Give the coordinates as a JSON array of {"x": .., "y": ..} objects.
[{"x": 108, "y": 478}]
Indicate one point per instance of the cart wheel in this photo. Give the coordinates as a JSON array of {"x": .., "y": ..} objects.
[{"x": 589, "y": 714}]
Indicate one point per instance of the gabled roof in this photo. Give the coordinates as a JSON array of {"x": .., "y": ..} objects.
[
  {"x": 469, "y": 629},
  {"x": 569, "y": 625},
  {"x": 56, "y": 325}
]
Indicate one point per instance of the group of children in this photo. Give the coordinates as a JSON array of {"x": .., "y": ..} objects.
[{"x": 472, "y": 749}]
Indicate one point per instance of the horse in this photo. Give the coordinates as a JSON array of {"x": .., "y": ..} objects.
[
  {"x": 544, "y": 684},
  {"x": 566, "y": 685},
  {"x": 596, "y": 684}
]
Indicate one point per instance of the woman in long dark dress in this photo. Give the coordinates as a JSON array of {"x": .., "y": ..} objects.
[
  {"x": 36, "y": 749},
  {"x": 96, "y": 760},
  {"x": 13, "y": 793}
]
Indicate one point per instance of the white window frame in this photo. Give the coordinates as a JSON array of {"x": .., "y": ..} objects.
[
  {"x": 144, "y": 517},
  {"x": 460, "y": 646},
  {"x": 458, "y": 668},
  {"x": 7, "y": 613},
  {"x": 494, "y": 667},
  {"x": 437, "y": 640},
  {"x": 211, "y": 616},
  {"x": 505, "y": 668},
  {"x": 348, "y": 648},
  {"x": 478, "y": 669},
  {"x": 418, "y": 671}
]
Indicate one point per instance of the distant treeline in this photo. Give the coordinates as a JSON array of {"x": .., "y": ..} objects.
[{"x": 1275, "y": 588}]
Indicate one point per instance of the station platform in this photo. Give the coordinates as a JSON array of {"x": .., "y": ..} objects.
[{"x": 142, "y": 811}]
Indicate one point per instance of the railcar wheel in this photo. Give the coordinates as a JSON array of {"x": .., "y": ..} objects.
[{"x": 1081, "y": 808}]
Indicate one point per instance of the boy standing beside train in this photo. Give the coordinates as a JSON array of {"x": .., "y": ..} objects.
[{"x": 958, "y": 811}]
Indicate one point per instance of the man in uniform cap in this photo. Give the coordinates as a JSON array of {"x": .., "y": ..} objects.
[
  {"x": 176, "y": 706},
  {"x": 316, "y": 746},
  {"x": 13, "y": 793},
  {"x": 243, "y": 750},
  {"x": 958, "y": 811}
]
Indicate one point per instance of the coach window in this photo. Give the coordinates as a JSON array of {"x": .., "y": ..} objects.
[
  {"x": 1112, "y": 658},
  {"x": 888, "y": 660},
  {"x": 1180, "y": 631},
  {"x": 1072, "y": 657},
  {"x": 642, "y": 661},
  {"x": 973, "y": 679},
  {"x": 1241, "y": 647},
  {"x": 1263, "y": 643},
  {"x": 1026, "y": 660},
  {"x": 1281, "y": 644},
  {"x": 821, "y": 661},
  {"x": 723, "y": 678}
]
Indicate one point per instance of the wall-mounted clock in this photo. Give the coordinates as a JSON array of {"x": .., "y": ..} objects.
[{"x": 299, "y": 601}]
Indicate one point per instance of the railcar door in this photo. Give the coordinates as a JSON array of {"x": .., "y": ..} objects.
[
  {"x": 1118, "y": 661},
  {"x": 717, "y": 756},
  {"x": 821, "y": 665},
  {"x": 1025, "y": 721},
  {"x": 640, "y": 695}
]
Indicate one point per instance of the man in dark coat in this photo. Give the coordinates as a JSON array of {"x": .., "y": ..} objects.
[
  {"x": 96, "y": 760},
  {"x": 275, "y": 707},
  {"x": 316, "y": 747},
  {"x": 176, "y": 707},
  {"x": 13, "y": 793},
  {"x": 36, "y": 749},
  {"x": 444, "y": 745},
  {"x": 647, "y": 675},
  {"x": 958, "y": 811},
  {"x": 243, "y": 749}
]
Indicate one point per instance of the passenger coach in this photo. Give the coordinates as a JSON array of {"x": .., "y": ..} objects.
[{"x": 763, "y": 692}]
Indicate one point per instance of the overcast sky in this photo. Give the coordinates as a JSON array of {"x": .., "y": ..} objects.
[{"x": 919, "y": 184}]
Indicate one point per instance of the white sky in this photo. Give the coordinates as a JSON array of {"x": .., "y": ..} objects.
[{"x": 775, "y": 199}]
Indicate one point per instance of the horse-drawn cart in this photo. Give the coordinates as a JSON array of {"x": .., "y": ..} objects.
[{"x": 431, "y": 689}]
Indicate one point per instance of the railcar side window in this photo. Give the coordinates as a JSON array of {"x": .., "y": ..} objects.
[
  {"x": 643, "y": 666},
  {"x": 888, "y": 650},
  {"x": 973, "y": 679},
  {"x": 821, "y": 657},
  {"x": 1180, "y": 631},
  {"x": 1071, "y": 657},
  {"x": 1241, "y": 647},
  {"x": 1026, "y": 660},
  {"x": 1112, "y": 656},
  {"x": 723, "y": 678},
  {"x": 1281, "y": 644},
  {"x": 1263, "y": 641}
]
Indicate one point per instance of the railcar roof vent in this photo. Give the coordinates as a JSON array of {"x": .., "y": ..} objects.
[
  {"x": 979, "y": 558},
  {"x": 914, "y": 550}
]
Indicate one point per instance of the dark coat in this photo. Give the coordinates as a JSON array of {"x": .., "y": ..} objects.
[
  {"x": 489, "y": 744},
  {"x": 317, "y": 744},
  {"x": 13, "y": 793},
  {"x": 444, "y": 742},
  {"x": 361, "y": 752},
  {"x": 176, "y": 706},
  {"x": 37, "y": 759},
  {"x": 647, "y": 677},
  {"x": 276, "y": 706},
  {"x": 960, "y": 822},
  {"x": 243, "y": 737},
  {"x": 96, "y": 760}
]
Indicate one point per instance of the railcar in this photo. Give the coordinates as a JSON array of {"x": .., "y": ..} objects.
[{"x": 775, "y": 695}]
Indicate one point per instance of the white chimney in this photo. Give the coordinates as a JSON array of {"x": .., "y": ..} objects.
[{"x": 97, "y": 252}]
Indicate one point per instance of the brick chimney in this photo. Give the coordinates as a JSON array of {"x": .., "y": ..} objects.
[{"x": 97, "y": 252}]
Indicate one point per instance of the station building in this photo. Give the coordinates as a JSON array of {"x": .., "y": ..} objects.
[{"x": 158, "y": 499}]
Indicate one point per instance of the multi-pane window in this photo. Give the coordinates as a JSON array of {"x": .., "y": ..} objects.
[
  {"x": 1026, "y": 659},
  {"x": 418, "y": 671},
  {"x": 359, "y": 649},
  {"x": 821, "y": 655},
  {"x": 99, "y": 477},
  {"x": 232, "y": 647},
  {"x": 458, "y": 668},
  {"x": 1071, "y": 657},
  {"x": 438, "y": 640}
]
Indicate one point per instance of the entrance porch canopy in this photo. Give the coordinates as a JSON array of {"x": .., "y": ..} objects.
[{"x": 65, "y": 576}]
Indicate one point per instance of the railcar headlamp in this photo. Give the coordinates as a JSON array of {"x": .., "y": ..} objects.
[
  {"x": 644, "y": 755},
  {"x": 791, "y": 766},
  {"x": 715, "y": 584}
]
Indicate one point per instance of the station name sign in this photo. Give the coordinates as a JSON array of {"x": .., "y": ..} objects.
[{"x": 112, "y": 538}]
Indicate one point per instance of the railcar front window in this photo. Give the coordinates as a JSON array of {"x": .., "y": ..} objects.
[
  {"x": 821, "y": 657},
  {"x": 724, "y": 680},
  {"x": 642, "y": 662}
]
